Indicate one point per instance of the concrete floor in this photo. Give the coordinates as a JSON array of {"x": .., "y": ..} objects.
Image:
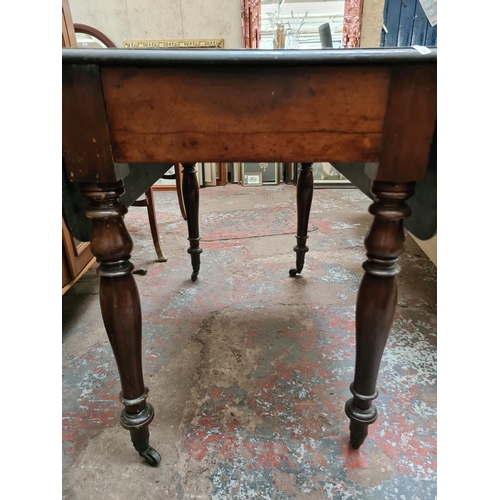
[{"x": 249, "y": 369}]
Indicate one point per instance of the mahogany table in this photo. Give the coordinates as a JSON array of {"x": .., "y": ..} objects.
[{"x": 143, "y": 107}]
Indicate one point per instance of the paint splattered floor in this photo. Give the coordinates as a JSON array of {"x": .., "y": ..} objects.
[{"x": 249, "y": 369}]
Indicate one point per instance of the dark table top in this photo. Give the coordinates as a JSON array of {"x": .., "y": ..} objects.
[{"x": 244, "y": 57}]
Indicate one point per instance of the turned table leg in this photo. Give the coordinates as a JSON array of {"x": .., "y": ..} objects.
[
  {"x": 191, "y": 194},
  {"x": 376, "y": 301},
  {"x": 305, "y": 186},
  {"x": 120, "y": 308}
]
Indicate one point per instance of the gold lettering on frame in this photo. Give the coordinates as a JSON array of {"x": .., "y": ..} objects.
[{"x": 211, "y": 43}]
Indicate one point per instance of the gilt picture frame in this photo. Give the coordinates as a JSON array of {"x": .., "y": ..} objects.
[{"x": 196, "y": 43}]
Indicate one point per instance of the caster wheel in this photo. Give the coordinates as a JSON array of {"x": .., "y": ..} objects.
[
  {"x": 151, "y": 456},
  {"x": 292, "y": 272}
]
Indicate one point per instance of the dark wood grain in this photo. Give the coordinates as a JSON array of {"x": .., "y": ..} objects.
[
  {"x": 120, "y": 306},
  {"x": 376, "y": 300},
  {"x": 191, "y": 195},
  {"x": 85, "y": 132},
  {"x": 245, "y": 113},
  {"x": 305, "y": 187},
  {"x": 409, "y": 123}
]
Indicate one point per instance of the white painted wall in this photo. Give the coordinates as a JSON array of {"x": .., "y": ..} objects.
[{"x": 122, "y": 20}]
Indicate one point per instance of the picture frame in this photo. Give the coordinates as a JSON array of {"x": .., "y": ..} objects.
[
  {"x": 210, "y": 174},
  {"x": 252, "y": 179},
  {"x": 268, "y": 170},
  {"x": 325, "y": 175},
  {"x": 196, "y": 43},
  {"x": 236, "y": 173}
]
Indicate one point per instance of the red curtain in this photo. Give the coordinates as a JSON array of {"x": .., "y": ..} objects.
[
  {"x": 250, "y": 23},
  {"x": 353, "y": 12}
]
